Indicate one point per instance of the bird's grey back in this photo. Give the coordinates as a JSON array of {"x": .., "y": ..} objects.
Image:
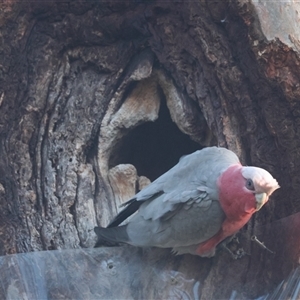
[{"x": 194, "y": 173}]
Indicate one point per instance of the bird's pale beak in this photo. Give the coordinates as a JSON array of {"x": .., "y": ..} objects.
[{"x": 261, "y": 199}]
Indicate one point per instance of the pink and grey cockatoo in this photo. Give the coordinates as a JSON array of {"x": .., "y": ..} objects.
[{"x": 207, "y": 197}]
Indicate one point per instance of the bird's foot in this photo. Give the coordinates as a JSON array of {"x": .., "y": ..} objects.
[{"x": 237, "y": 254}]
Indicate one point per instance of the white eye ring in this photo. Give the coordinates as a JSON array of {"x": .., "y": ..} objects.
[{"x": 250, "y": 184}]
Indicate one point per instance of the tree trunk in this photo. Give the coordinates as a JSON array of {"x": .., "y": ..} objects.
[{"x": 98, "y": 98}]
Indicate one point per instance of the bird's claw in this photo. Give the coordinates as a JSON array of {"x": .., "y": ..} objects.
[
  {"x": 239, "y": 253},
  {"x": 235, "y": 239}
]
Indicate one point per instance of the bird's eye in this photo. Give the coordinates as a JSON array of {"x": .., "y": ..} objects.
[{"x": 250, "y": 184}]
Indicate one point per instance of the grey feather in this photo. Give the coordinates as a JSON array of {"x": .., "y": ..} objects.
[
  {"x": 111, "y": 236},
  {"x": 186, "y": 227},
  {"x": 194, "y": 176},
  {"x": 180, "y": 209}
]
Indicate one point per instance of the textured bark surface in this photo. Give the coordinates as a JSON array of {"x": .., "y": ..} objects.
[{"x": 96, "y": 95}]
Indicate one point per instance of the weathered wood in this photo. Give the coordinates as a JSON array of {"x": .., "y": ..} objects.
[
  {"x": 123, "y": 180},
  {"x": 81, "y": 84}
]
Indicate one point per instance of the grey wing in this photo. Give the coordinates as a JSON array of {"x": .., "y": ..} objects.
[
  {"x": 189, "y": 223},
  {"x": 194, "y": 177}
]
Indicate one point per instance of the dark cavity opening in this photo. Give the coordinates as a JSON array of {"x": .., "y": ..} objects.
[{"x": 153, "y": 147}]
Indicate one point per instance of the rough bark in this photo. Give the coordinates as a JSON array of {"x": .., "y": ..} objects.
[{"x": 87, "y": 87}]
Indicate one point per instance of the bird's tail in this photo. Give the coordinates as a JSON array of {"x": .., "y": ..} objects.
[{"x": 111, "y": 236}]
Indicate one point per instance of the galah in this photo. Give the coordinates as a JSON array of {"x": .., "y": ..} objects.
[{"x": 207, "y": 197}]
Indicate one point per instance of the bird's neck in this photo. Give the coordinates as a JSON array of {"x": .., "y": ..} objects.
[{"x": 237, "y": 202}]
